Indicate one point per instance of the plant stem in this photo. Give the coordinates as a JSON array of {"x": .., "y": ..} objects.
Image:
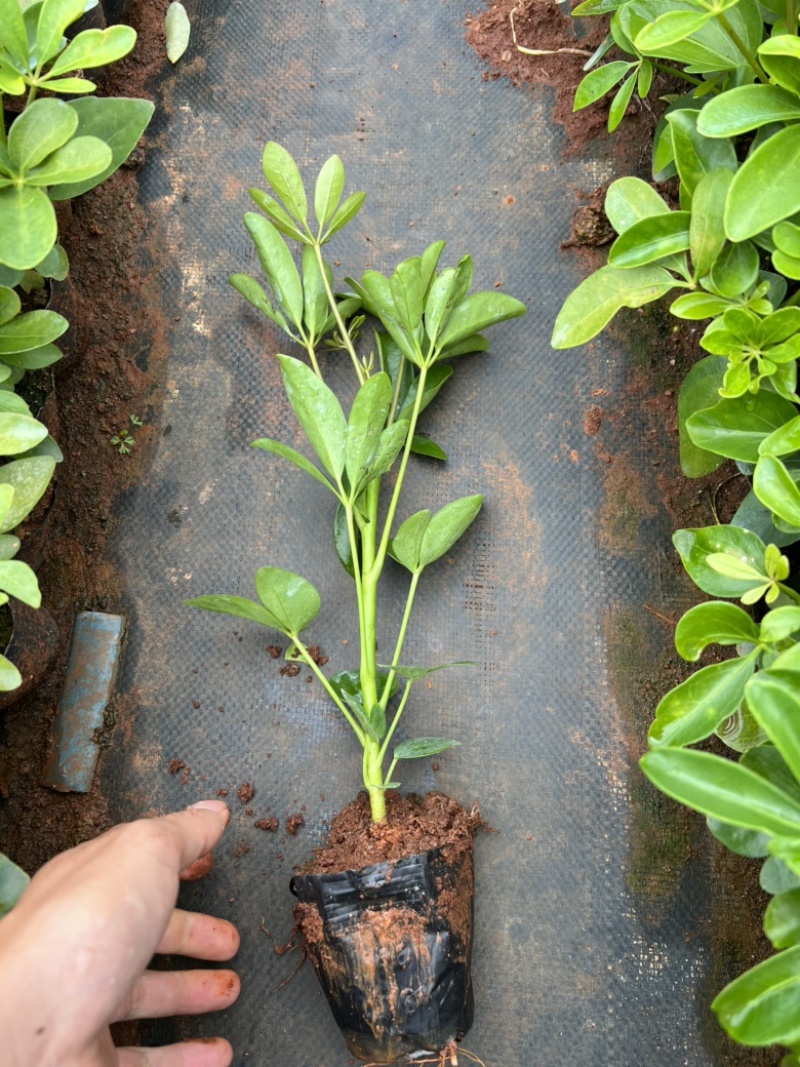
[
  {"x": 748, "y": 55},
  {"x": 791, "y": 16},
  {"x": 400, "y": 709},
  {"x": 665, "y": 68},
  {"x": 398, "y": 648},
  {"x": 326, "y": 685},
  {"x": 384, "y": 543},
  {"x": 377, "y": 794},
  {"x": 337, "y": 314},
  {"x": 791, "y": 593}
]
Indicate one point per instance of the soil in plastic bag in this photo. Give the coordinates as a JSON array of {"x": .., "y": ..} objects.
[{"x": 391, "y": 941}]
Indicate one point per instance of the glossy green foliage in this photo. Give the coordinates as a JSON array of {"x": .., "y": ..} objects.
[{"x": 423, "y": 316}]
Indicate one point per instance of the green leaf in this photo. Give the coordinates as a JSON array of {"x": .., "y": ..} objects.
[
  {"x": 668, "y": 29},
  {"x": 780, "y": 623},
  {"x": 364, "y": 427},
  {"x": 292, "y": 602},
  {"x": 736, "y": 427},
  {"x": 696, "y": 155},
  {"x": 28, "y": 477},
  {"x": 43, "y": 126},
  {"x": 434, "y": 380},
  {"x": 784, "y": 440},
  {"x": 117, "y": 121},
  {"x": 745, "y": 108},
  {"x": 406, "y": 544},
  {"x": 697, "y": 306},
  {"x": 408, "y": 293},
  {"x": 598, "y": 82},
  {"x": 13, "y": 33},
  {"x": 760, "y": 1007},
  {"x": 697, "y": 545},
  {"x": 787, "y": 238},
  {"x": 780, "y": 58},
  {"x": 446, "y": 526},
  {"x": 32, "y": 358},
  {"x": 9, "y": 304},
  {"x": 650, "y": 240},
  {"x": 31, "y": 330},
  {"x": 750, "y": 843},
  {"x": 423, "y": 446},
  {"x": 281, "y": 172},
  {"x": 54, "y": 17},
  {"x": 699, "y": 390},
  {"x": 736, "y": 269},
  {"x": 235, "y": 605},
  {"x": 391, "y": 441},
  {"x": 712, "y": 623},
  {"x": 722, "y": 789},
  {"x": 281, "y": 220},
  {"x": 619, "y": 105},
  {"x": 416, "y": 674},
  {"x": 476, "y": 313},
  {"x": 28, "y": 227},
  {"x": 777, "y": 490},
  {"x": 10, "y": 678},
  {"x": 765, "y": 189},
  {"x": 629, "y": 200},
  {"x": 78, "y": 159},
  {"x": 55, "y": 264},
  {"x": 752, "y": 515},
  {"x": 774, "y": 700},
  {"x": 318, "y": 412},
  {"x": 328, "y": 190},
  {"x": 599, "y": 297},
  {"x": 347, "y": 210},
  {"x": 277, "y": 448},
  {"x": 422, "y": 747},
  {"x": 18, "y": 433},
  {"x": 706, "y": 230},
  {"x": 694, "y": 709},
  {"x": 94, "y": 48},
  {"x": 9, "y": 546},
  {"x": 178, "y": 30},
  {"x": 782, "y": 919},
  {"x": 18, "y": 580},
  {"x": 13, "y": 880},
  {"x": 445, "y": 293},
  {"x": 315, "y": 299},
  {"x": 254, "y": 294},
  {"x": 277, "y": 264},
  {"x": 775, "y": 877}
]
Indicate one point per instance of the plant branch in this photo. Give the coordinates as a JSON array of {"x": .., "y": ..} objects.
[
  {"x": 748, "y": 55},
  {"x": 346, "y": 339},
  {"x": 674, "y": 72},
  {"x": 397, "y": 715},
  {"x": 326, "y": 685},
  {"x": 401, "y": 636}
]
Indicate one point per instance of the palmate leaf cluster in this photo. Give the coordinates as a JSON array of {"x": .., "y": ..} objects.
[
  {"x": 424, "y": 315},
  {"x": 729, "y": 255}
]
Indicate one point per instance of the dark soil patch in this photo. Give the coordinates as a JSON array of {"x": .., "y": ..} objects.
[
  {"x": 413, "y": 824},
  {"x": 112, "y": 368},
  {"x": 543, "y": 25}
]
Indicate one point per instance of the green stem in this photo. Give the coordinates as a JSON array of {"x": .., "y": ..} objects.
[
  {"x": 396, "y": 394},
  {"x": 398, "y": 648},
  {"x": 326, "y": 685},
  {"x": 346, "y": 339},
  {"x": 791, "y": 16},
  {"x": 400, "y": 709},
  {"x": 789, "y": 592},
  {"x": 748, "y": 55},
  {"x": 373, "y": 779},
  {"x": 665, "y": 68},
  {"x": 384, "y": 542}
]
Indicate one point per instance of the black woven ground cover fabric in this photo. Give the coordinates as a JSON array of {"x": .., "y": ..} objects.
[{"x": 591, "y": 922}]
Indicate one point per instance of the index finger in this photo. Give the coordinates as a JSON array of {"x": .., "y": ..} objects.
[{"x": 197, "y": 829}]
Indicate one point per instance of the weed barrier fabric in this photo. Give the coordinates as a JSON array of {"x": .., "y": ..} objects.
[{"x": 594, "y": 898}]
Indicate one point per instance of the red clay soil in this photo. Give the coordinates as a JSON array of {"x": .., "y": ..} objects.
[{"x": 413, "y": 825}]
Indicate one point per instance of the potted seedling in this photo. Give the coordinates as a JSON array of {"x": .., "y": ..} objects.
[{"x": 386, "y": 908}]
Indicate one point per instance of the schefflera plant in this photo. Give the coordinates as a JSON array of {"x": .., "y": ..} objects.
[{"x": 426, "y": 316}]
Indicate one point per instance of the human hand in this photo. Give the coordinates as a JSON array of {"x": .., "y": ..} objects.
[{"x": 74, "y": 951}]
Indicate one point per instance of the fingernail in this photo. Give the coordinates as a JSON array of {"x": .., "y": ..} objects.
[{"x": 211, "y": 805}]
